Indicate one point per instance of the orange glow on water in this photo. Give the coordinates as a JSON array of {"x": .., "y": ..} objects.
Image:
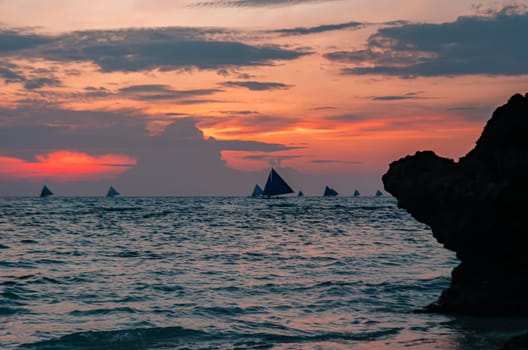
[{"x": 65, "y": 166}]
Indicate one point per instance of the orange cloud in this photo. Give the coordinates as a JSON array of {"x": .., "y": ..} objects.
[{"x": 64, "y": 166}]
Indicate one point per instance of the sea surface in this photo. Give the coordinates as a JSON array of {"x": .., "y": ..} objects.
[{"x": 226, "y": 273}]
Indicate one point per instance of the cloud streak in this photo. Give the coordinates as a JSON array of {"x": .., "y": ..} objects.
[
  {"x": 153, "y": 92},
  {"x": 9, "y": 73},
  {"x": 16, "y": 40},
  {"x": 256, "y": 85},
  {"x": 347, "y": 118},
  {"x": 319, "y": 29},
  {"x": 131, "y": 50},
  {"x": 488, "y": 45},
  {"x": 407, "y": 96},
  {"x": 243, "y": 125}
]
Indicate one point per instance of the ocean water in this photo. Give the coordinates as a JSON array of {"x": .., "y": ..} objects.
[{"x": 226, "y": 273}]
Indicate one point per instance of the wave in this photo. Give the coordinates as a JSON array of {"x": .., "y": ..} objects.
[
  {"x": 119, "y": 339},
  {"x": 230, "y": 311},
  {"x": 335, "y": 283},
  {"x": 17, "y": 264},
  {"x": 126, "y": 310},
  {"x": 282, "y": 205},
  {"x": 158, "y": 214},
  {"x": 128, "y": 254},
  {"x": 423, "y": 285},
  {"x": 16, "y": 292},
  {"x": 167, "y": 287},
  {"x": 240, "y": 274},
  {"x": 120, "y": 209},
  {"x": 28, "y": 241},
  {"x": 7, "y": 311},
  {"x": 174, "y": 337}
]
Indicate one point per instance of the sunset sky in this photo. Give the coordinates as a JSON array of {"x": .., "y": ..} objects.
[{"x": 202, "y": 97}]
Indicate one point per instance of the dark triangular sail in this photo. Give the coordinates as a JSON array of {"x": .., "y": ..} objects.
[
  {"x": 379, "y": 193},
  {"x": 276, "y": 185},
  {"x": 329, "y": 192},
  {"x": 356, "y": 193},
  {"x": 112, "y": 192},
  {"x": 45, "y": 192},
  {"x": 257, "y": 192},
  {"x": 300, "y": 194}
]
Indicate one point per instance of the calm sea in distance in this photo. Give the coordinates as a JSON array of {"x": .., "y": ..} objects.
[{"x": 226, "y": 273}]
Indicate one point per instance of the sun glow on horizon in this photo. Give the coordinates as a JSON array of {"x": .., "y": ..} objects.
[{"x": 64, "y": 166}]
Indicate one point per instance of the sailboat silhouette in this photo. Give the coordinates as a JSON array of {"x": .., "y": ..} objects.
[
  {"x": 46, "y": 192},
  {"x": 257, "y": 192},
  {"x": 329, "y": 192},
  {"x": 275, "y": 185},
  {"x": 112, "y": 192}
]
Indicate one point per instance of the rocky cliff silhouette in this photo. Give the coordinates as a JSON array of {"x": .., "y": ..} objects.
[{"x": 478, "y": 208}]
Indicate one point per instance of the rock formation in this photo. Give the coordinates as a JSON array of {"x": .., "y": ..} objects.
[{"x": 477, "y": 207}]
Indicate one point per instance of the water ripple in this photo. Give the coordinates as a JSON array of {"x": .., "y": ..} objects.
[{"x": 217, "y": 273}]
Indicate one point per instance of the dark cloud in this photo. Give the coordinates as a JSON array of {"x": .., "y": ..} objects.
[
  {"x": 407, "y": 96},
  {"x": 239, "y": 112},
  {"x": 88, "y": 131},
  {"x": 223, "y": 72},
  {"x": 353, "y": 57},
  {"x": 131, "y": 50},
  {"x": 11, "y": 74},
  {"x": 43, "y": 71},
  {"x": 162, "y": 48},
  {"x": 37, "y": 83},
  {"x": 199, "y": 101},
  {"x": 95, "y": 92},
  {"x": 246, "y": 76},
  {"x": 15, "y": 40},
  {"x": 492, "y": 9},
  {"x": 319, "y": 29},
  {"x": 41, "y": 96},
  {"x": 256, "y": 85},
  {"x": 346, "y": 117},
  {"x": 254, "y": 3},
  {"x": 176, "y": 114},
  {"x": 163, "y": 92},
  {"x": 178, "y": 161},
  {"x": 491, "y": 45}
]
